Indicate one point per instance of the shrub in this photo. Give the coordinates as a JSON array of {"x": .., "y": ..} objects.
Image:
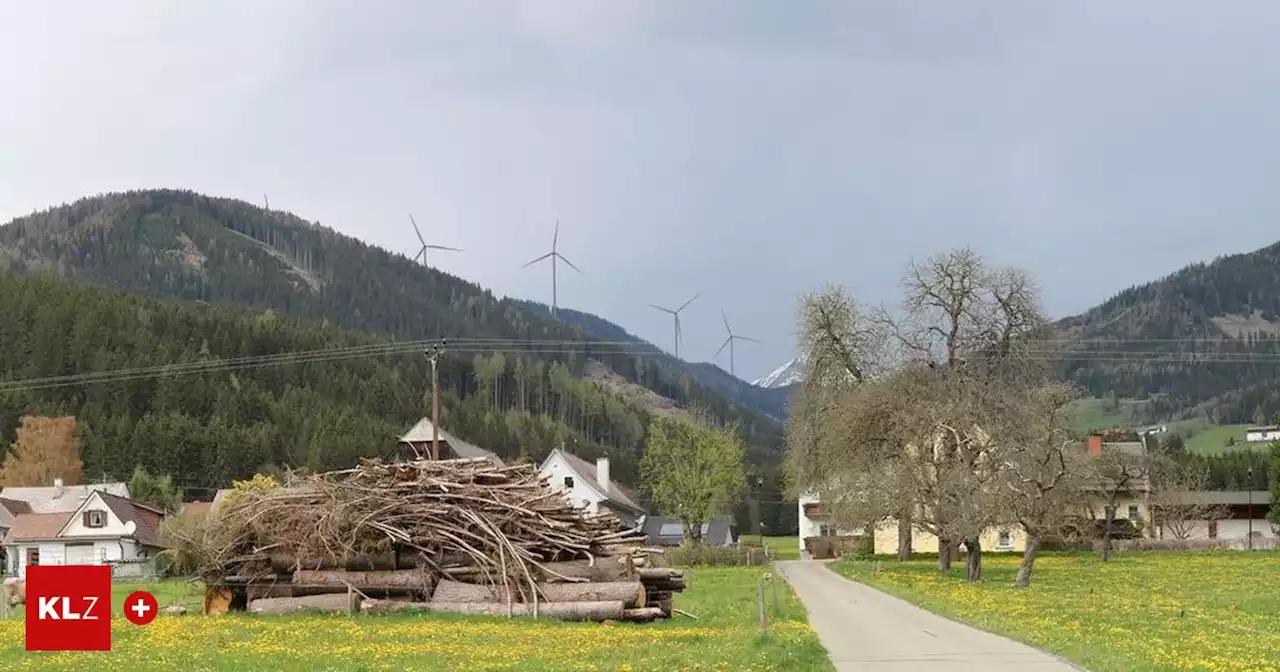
[{"x": 701, "y": 554}]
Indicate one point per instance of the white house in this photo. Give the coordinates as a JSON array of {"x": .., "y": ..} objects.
[
  {"x": 590, "y": 487},
  {"x": 1262, "y": 434},
  {"x": 103, "y": 529}
]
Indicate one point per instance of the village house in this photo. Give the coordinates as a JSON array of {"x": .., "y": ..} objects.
[
  {"x": 104, "y": 529},
  {"x": 1131, "y": 499},
  {"x": 416, "y": 444},
  {"x": 1262, "y": 434},
  {"x": 1238, "y": 514},
  {"x": 669, "y": 532},
  {"x": 591, "y": 487}
]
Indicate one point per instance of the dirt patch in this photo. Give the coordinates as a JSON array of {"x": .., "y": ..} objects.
[
  {"x": 1240, "y": 326},
  {"x": 643, "y": 397},
  {"x": 188, "y": 254},
  {"x": 311, "y": 280}
]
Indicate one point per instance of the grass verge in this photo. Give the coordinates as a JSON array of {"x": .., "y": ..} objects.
[
  {"x": 1143, "y": 611},
  {"x": 724, "y": 637}
]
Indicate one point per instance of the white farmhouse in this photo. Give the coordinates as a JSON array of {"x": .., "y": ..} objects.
[
  {"x": 1262, "y": 434},
  {"x": 103, "y": 529},
  {"x": 590, "y": 487}
]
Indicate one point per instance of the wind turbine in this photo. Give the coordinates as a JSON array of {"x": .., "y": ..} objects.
[
  {"x": 553, "y": 255},
  {"x": 422, "y": 253},
  {"x": 676, "y": 314},
  {"x": 728, "y": 342}
]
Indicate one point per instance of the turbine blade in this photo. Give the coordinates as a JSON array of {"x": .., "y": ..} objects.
[
  {"x": 555, "y": 238},
  {"x": 724, "y": 345},
  {"x": 657, "y": 307},
  {"x": 545, "y": 256},
  {"x": 726, "y": 323},
  {"x": 415, "y": 230},
  {"x": 561, "y": 258},
  {"x": 746, "y": 338},
  {"x": 686, "y": 303},
  {"x": 442, "y": 247}
]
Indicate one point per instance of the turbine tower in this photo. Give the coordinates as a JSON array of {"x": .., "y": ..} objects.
[
  {"x": 422, "y": 253},
  {"x": 676, "y": 314},
  {"x": 553, "y": 255},
  {"x": 728, "y": 342}
]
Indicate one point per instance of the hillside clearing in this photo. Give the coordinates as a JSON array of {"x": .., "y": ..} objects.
[
  {"x": 725, "y": 636},
  {"x": 1212, "y": 610}
]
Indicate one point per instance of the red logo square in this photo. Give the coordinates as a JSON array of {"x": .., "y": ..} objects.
[{"x": 68, "y": 608}]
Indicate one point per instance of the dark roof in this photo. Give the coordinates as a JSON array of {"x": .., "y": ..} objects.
[
  {"x": 668, "y": 531},
  {"x": 196, "y": 508},
  {"x": 146, "y": 520},
  {"x": 1218, "y": 498},
  {"x": 15, "y": 506},
  {"x": 615, "y": 492},
  {"x": 36, "y": 527}
]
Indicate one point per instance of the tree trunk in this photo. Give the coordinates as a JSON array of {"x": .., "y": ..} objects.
[
  {"x": 568, "y": 611},
  {"x": 904, "y": 538},
  {"x": 643, "y": 614},
  {"x": 631, "y": 594},
  {"x": 944, "y": 555},
  {"x": 606, "y": 568},
  {"x": 1109, "y": 517},
  {"x": 382, "y": 582},
  {"x": 1028, "y": 561},
  {"x": 293, "y": 605},
  {"x": 973, "y": 561},
  {"x": 284, "y": 562}
]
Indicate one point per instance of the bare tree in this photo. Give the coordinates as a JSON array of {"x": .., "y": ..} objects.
[
  {"x": 1179, "y": 502},
  {"x": 1042, "y": 472},
  {"x": 1115, "y": 472}
]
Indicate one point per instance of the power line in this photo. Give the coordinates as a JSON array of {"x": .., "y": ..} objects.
[{"x": 566, "y": 346}]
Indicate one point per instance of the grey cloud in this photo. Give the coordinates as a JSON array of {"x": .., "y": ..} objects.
[{"x": 748, "y": 150}]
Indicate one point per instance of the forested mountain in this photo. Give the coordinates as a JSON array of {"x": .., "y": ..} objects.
[
  {"x": 514, "y": 384},
  {"x": 770, "y": 401},
  {"x": 1202, "y": 341}
]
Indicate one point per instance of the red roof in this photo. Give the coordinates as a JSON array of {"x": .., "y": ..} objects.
[
  {"x": 146, "y": 520},
  {"x": 36, "y": 527}
]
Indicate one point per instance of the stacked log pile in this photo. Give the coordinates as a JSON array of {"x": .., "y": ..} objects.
[{"x": 463, "y": 536}]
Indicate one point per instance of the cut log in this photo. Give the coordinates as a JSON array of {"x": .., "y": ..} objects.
[
  {"x": 643, "y": 614},
  {"x": 461, "y": 592},
  {"x": 292, "y": 605},
  {"x": 217, "y": 600},
  {"x": 395, "y": 579},
  {"x": 605, "y": 569},
  {"x": 666, "y": 606},
  {"x": 631, "y": 594},
  {"x": 285, "y": 562},
  {"x": 648, "y": 574},
  {"x": 567, "y": 611},
  {"x": 258, "y": 591}
]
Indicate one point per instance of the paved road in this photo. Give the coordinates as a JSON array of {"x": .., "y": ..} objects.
[{"x": 865, "y": 629}]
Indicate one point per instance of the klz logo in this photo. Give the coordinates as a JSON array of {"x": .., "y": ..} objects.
[{"x": 68, "y": 608}]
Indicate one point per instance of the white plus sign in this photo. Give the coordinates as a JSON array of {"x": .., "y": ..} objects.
[{"x": 141, "y": 608}]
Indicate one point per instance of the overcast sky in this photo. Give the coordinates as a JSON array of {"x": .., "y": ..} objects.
[{"x": 750, "y": 151}]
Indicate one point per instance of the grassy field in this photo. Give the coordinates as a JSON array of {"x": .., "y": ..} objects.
[
  {"x": 1209, "y": 610},
  {"x": 1092, "y": 413},
  {"x": 1214, "y": 438},
  {"x": 725, "y": 636},
  {"x": 784, "y": 548}
]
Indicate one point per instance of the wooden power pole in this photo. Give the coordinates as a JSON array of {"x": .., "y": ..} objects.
[{"x": 434, "y": 355}]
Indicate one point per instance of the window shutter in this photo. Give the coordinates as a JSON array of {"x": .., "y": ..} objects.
[{"x": 87, "y": 519}]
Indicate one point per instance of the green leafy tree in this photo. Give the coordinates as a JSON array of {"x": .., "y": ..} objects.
[
  {"x": 694, "y": 469},
  {"x": 1274, "y": 514},
  {"x": 156, "y": 491}
]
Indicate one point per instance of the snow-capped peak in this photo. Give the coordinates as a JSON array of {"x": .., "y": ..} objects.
[{"x": 787, "y": 374}]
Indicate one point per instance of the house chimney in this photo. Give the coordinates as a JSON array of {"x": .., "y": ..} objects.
[
  {"x": 1094, "y": 447},
  {"x": 602, "y": 472}
]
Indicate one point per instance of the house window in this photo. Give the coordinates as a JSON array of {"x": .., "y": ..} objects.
[
  {"x": 33, "y": 556},
  {"x": 568, "y": 482},
  {"x": 95, "y": 518},
  {"x": 1004, "y": 540},
  {"x": 1133, "y": 512}
]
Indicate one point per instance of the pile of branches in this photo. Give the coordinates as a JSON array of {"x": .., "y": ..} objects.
[{"x": 358, "y": 538}]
